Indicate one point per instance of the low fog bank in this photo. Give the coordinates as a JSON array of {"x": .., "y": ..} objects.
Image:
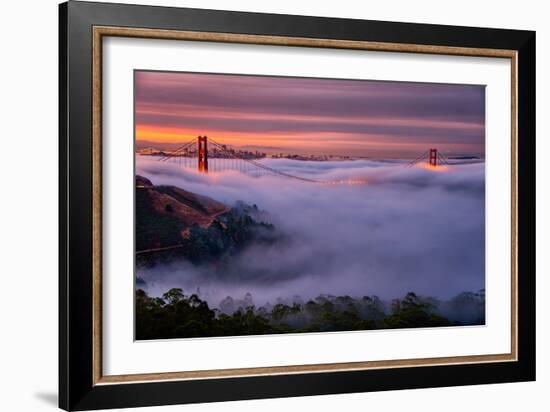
[{"x": 407, "y": 230}]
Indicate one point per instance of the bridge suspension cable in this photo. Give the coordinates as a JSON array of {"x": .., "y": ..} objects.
[
  {"x": 177, "y": 152},
  {"x": 231, "y": 158},
  {"x": 264, "y": 167}
]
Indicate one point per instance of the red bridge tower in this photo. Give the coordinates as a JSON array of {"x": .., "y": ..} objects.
[
  {"x": 433, "y": 157},
  {"x": 203, "y": 154}
]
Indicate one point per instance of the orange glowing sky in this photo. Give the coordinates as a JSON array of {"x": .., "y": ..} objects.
[{"x": 309, "y": 116}]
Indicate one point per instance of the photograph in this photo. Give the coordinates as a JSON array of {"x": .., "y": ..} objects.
[{"x": 275, "y": 205}]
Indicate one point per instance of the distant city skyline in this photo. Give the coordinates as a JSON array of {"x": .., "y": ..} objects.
[{"x": 310, "y": 116}]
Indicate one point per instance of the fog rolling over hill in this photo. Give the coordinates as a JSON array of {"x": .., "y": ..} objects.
[
  {"x": 165, "y": 213},
  {"x": 408, "y": 230},
  {"x": 176, "y": 226}
]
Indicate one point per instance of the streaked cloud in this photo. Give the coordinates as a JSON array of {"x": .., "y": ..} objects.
[{"x": 355, "y": 117}]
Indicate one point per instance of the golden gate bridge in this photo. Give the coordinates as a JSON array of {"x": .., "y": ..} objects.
[
  {"x": 206, "y": 155},
  {"x": 433, "y": 157}
]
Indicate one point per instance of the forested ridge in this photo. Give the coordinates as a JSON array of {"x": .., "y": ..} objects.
[{"x": 177, "y": 315}]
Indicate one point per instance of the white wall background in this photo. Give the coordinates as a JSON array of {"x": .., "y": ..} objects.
[{"x": 28, "y": 203}]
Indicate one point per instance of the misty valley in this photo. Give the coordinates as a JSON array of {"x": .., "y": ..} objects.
[{"x": 227, "y": 254}]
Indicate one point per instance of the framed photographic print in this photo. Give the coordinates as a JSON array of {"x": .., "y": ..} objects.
[{"x": 256, "y": 205}]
